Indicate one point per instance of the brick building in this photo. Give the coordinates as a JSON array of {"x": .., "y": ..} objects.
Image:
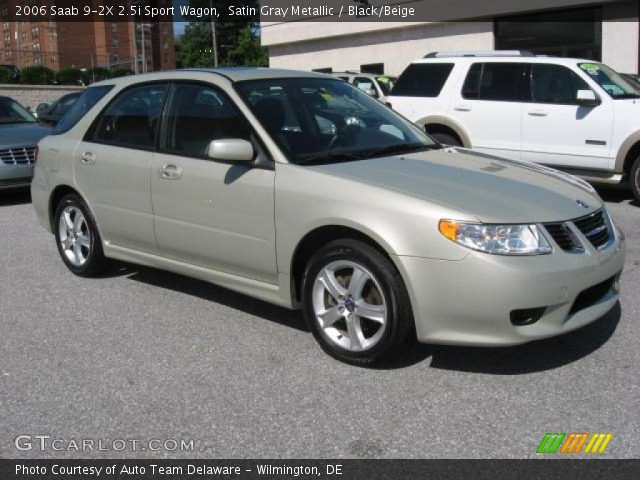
[{"x": 84, "y": 44}]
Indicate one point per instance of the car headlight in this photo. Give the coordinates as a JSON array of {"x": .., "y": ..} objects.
[{"x": 497, "y": 239}]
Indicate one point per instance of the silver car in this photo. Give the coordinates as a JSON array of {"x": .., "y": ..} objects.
[
  {"x": 19, "y": 134},
  {"x": 301, "y": 190}
]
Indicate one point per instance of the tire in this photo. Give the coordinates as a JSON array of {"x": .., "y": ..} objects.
[
  {"x": 77, "y": 237},
  {"x": 363, "y": 322},
  {"x": 634, "y": 178},
  {"x": 446, "y": 139}
]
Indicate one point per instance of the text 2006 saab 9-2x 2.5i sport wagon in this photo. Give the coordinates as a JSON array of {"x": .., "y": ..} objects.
[{"x": 301, "y": 190}]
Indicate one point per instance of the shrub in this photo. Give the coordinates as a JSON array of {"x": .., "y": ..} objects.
[
  {"x": 69, "y": 76},
  {"x": 37, "y": 75},
  {"x": 5, "y": 76},
  {"x": 95, "y": 75},
  {"x": 120, "y": 72}
]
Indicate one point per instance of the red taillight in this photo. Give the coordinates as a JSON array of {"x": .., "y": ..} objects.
[{"x": 35, "y": 154}]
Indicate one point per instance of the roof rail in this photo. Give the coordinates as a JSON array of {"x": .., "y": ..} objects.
[{"x": 481, "y": 53}]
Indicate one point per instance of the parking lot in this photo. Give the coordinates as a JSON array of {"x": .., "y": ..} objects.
[{"x": 143, "y": 354}]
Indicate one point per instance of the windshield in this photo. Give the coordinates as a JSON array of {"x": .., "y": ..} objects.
[
  {"x": 12, "y": 112},
  {"x": 611, "y": 81},
  {"x": 323, "y": 120},
  {"x": 386, "y": 83}
]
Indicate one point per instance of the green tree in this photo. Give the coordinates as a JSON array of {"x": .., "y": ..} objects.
[
  {"x": 37, "y": 75},
  {"x": 238, "y": 41},
  {"x": 69, "y": 76}
]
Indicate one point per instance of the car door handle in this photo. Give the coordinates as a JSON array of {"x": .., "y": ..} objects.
[
  {"x": 538, "y": 113},
  {"x": 171, "y": 172},
  {"x": 87, "y": 158},
  {"x": 462, "y": 108}
]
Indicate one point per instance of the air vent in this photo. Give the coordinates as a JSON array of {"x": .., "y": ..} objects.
[
  {"x": 595, "y": 228},
  {"x": 564, "y": 237}
]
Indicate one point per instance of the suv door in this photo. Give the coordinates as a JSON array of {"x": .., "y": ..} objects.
[
  {"x": 556, "y": 130},
  {"x": 489, "y": 107},
  {"x": 218, "y": 215},
  {"x": 112, "y": 166}
]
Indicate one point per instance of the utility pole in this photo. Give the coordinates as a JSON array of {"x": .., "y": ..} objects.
[{"x": 214, "y": 41}]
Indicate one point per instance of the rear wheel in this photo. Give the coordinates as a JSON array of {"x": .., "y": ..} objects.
[
  {"x": 634, "y": 178},
  {"x": 355, "y": 302},
  {"x": 77, "y": 237},
  {"x": 446, "y": 139}
]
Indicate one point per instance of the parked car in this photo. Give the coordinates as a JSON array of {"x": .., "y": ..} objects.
[
  {"x": 52, "y": 113},
  {"x": 371, "y": 227},
  {"x": 19, "y": 134},
  {"x": 558, "y": 112},
  {"x": 14, "y": 72},
  {"x": 377, "y": 86}
]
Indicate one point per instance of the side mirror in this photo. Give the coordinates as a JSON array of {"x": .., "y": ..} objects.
[
  {"x": 372, "y": 92},
  {"x": 231, "y": 150},
  {"x": 587, "y": 98}
]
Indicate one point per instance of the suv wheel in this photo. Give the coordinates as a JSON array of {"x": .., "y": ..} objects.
[
  {"x": 634, "y": 178},
  {"x": 355, "y": 302},
  {"x": 77, "y": 238},
  {"x": 446, "y": 139}
]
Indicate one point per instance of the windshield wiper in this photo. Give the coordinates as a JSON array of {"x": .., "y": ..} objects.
[
  {"x": 397, "y": 149},
  {"x": 329, "y": 157}
]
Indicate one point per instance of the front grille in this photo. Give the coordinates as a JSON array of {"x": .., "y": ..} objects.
[
  {"x": 592, "y": 295},
  {"x": 564, "y": 237},
  {"x": 11, "y": 182},
  {"x": 595, "y": 228},
  {"x": 18, "y": 155}
]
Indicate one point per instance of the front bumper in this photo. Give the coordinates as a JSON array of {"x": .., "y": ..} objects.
[
  {"x": 15, "y": 176},
  {"x": 469, "y": 302}
]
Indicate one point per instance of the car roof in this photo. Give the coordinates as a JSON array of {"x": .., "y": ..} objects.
[
  {"x": 233, "y": 74},
  {"x": 504, "y": 59}
]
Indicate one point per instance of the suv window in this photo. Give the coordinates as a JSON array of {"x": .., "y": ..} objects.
[
  {"x": 422, "y": 80},
  {"x": 363, "y": 83},
  {"x": 132, "y": 118},
  {"x": 199, "y": 114},
  {"x": 494, "y": 81},
  {"x": 82, "y": 105},
  {"x": 555, "y": 84}
]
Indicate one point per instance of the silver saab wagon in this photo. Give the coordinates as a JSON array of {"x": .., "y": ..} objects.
[{"x": 301, "y": 190}]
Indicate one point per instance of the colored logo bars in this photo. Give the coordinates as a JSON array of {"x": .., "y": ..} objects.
[{"x": 584, "y": 442}]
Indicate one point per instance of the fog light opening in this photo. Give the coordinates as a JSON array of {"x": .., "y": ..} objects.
[{"x": 527, "y": 316}]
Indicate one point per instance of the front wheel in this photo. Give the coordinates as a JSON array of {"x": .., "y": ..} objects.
[
  {"x": 77, "y": 238},
  {"x": 634, "y": 178},
  {"x": 355, "y": 302}
]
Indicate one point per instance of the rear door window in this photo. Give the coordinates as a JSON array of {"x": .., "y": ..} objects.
[
  {"x": 422, "y": 80},
  {"x": 494, "y": 81},
  {"x": 132, "y": 119}
]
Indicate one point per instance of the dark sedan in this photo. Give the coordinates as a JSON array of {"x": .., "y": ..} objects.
[{"x": 20, "y": 132}]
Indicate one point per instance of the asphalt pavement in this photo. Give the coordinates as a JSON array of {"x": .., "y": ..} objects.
[{"x": 141, "y": 355}]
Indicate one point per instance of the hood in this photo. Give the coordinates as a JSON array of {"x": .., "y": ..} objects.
[
  {"x": 22, "y": 134},
  {"x": 491, "y": 189}
]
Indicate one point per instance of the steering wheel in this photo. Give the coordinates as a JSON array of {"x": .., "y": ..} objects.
[{"x": 349, "y": 128}]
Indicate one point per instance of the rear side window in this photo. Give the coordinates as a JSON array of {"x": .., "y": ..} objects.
[
  {"x": 80, "y": 107},
  {"x": 422, "y": 80},
  {"x": 494, "y": 81},
  {"x": 132, "y": 118}
]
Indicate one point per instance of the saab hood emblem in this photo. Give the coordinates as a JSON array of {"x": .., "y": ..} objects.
[{"x": 582, "y": 204}]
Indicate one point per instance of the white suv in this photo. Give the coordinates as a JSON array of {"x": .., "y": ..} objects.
[{"x": 574, "y": 115}]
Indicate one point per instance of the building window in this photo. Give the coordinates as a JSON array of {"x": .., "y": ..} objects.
[
  {"x": 34, "y": 32},
  {"x": 566, "y": 33},
  {"x": 323, "y": 70},
  {"x": 115, "y": 58},
  {"x": 37, "y": 61},
  {"x": 114, "y": 42},
  {"x": 114, "y": 27},
  {"x": 53, "y": 58},
  {"x": 375, "y": 68},
  {"x": 5, "y": 26}
]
